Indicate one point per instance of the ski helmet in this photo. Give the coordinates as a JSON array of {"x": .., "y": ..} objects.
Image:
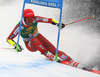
[{"x": 28, "y": 13}]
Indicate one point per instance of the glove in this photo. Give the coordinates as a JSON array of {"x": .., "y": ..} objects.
[
  {"x": 19, "y": 48},
  {"x": 61, "y": 26},
  {"x": 13, "y": 43},
  {"x": 55, "y": 22}
]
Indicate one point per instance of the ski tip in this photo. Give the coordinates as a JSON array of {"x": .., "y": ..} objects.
[{"x": 96, "y": 71}]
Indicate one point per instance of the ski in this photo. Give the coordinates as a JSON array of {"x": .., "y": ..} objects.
[{"x": 86, "y": 69}]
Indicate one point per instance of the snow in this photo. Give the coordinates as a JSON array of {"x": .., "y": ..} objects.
[
  {"x": 33, "y": 64},
  {"x": 13, "y": 64}
]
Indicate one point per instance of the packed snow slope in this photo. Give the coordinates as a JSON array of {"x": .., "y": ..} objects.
[
  {"x": 76, "y": 40},
  {"x": 14, "y": 64}
]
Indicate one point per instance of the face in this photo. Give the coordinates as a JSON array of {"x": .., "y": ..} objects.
[{"x": 29, "y": 21}]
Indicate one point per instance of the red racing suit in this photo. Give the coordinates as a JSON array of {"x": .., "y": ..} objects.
[{"x": 34, "y": 40}]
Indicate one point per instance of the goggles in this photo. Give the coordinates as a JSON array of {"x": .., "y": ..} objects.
[{"x": 29, "y": 20}]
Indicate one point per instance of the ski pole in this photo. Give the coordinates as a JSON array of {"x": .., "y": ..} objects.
[
  {"x": 20, "y": 28},
  {"x": 79, "y": 20},
  {"x": 61, "y": 3}
]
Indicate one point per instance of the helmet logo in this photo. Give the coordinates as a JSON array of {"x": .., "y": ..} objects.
[{"x": 29, "y": 13}]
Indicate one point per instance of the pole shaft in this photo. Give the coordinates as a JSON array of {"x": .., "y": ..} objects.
[
  {"x": 20, "y": 28},
  {"x": 59, "y": 30},
  {"x": 79, "y": 20}
]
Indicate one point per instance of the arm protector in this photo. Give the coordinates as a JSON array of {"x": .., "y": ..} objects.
[
  {"x": 54, "y": 22},
  {"x": 11, "y": 42}
]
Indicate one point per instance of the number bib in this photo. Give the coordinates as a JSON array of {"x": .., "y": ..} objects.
[{"x": 30, "y": 31}]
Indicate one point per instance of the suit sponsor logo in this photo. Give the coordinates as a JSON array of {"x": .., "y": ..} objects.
[
  {"x": 29, "y": 30},
  {"x": 46, "y": 20},
  {"x": 16, "y": 31},
  {"x": 41, "y": 47},
  {"x": 11, "y": 36}
]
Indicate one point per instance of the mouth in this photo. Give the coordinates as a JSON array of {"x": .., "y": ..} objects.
[{"x": 29, "y": 23}]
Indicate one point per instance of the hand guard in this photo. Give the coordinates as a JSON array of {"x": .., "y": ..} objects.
[
  {"x": 54, "y": 22},
  {"x": 19, "y": 48},
  {"x": 61, "y": 26},
  {"x": 13, "y": 43}
]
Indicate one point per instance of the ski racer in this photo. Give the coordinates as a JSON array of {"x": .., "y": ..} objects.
[{"x": 36, "y": 41}]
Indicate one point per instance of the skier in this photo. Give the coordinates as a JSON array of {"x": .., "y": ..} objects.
[{"x": 36, "y": 41}]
